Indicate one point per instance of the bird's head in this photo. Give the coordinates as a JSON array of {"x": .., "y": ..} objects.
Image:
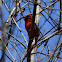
[{"x": 27, "y": 17}]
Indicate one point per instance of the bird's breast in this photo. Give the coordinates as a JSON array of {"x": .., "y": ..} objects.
[{"x": 27, "y": 25}]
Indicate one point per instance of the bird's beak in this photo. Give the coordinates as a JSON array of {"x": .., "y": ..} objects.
[{"x": 24, "y": 17}]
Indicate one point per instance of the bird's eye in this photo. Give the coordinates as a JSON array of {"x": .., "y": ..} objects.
[{"x": 27, "y": 16}]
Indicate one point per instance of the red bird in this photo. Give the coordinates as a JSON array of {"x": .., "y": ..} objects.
[{"x": 28, "y": 22}]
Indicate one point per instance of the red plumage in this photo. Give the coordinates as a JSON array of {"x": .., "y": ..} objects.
[{"x": 28, "y": 22}]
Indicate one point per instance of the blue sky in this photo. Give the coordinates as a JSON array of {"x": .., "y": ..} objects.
[{"x": 21, "y": 24}]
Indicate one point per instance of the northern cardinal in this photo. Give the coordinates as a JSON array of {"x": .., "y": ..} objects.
[{"x": 28, "y": 21}]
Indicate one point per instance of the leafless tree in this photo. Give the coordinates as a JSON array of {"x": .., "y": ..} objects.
[{"x": 15, "y": 44}]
